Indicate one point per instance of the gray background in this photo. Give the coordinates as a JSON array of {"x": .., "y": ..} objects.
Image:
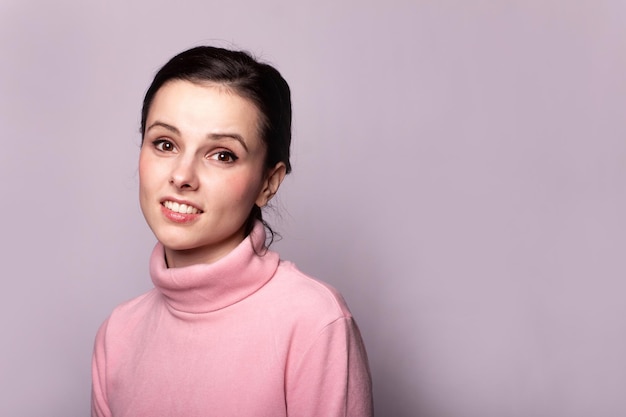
[{"x": 459, "y": 174}]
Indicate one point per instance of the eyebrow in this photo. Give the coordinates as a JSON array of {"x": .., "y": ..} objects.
[{"x": 213, "y": 136}]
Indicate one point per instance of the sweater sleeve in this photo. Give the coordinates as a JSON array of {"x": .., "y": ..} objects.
[
  {"x": 99, "y": 402},
  {"x": 332, "y": 379}
]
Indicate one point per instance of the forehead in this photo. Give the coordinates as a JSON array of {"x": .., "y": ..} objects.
[{"x": 204, "y": 106}]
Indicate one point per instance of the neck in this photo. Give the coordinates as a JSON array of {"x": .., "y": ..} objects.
[{"x": 208, "y": 254}]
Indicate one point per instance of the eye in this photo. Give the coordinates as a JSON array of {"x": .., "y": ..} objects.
[
  {"x": 163, "y": 145},
  {"x": 224, "y": 156}
]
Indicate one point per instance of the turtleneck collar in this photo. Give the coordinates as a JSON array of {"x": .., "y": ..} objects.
[{"x": 203, "y": 288}]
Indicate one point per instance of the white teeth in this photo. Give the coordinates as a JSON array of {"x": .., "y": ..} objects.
[{"x": 180, "y": 208}]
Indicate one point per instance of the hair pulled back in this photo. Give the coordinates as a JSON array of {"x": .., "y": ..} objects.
[{"x": 239, "y": 72}]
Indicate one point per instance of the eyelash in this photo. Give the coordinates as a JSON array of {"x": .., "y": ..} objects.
[
  {"x": 231, "y": 156},
  {"x": 160, "y": 143}
]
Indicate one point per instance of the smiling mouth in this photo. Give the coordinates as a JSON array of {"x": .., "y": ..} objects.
[{"x": 180, "y": 208}]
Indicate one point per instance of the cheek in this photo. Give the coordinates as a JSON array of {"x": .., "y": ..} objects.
[
  {"x": 143, "y": 182},
  {"x": 149, "y": 183},
  {"x": 244, "y": 190},
  {"x": 148, "y": 170},
  {"x": 143, "y": 162}
]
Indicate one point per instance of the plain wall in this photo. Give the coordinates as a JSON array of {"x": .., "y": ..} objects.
[{"x": 459, "y": 174}]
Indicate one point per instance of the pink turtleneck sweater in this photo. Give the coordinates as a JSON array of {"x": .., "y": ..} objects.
[{"x": 246, "y": 336}]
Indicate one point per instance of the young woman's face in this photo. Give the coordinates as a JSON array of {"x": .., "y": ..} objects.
[{"x": 201, "y": 170}]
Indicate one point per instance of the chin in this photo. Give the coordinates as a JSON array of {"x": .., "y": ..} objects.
[{"x": 178, "y": 245}]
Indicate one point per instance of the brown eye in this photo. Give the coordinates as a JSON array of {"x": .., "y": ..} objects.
[
  {"x": 163, "y": 145},
  {"x": 224, "y": 156}
]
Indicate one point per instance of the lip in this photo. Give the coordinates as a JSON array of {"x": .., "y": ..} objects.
[{"x": 179, "y": 217}]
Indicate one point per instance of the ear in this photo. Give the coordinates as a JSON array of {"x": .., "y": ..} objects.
[{"x": 273, "y": 178}]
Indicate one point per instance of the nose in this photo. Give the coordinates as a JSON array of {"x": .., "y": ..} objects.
[{"x": 184, "y": 174}]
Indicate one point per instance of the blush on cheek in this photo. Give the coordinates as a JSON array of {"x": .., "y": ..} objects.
[
  {"x": 152, "y": 170},
  {"x": 145, "y": 158},
  {"x": 142, "y": 168},
  {"x": 244, "y": 190}
]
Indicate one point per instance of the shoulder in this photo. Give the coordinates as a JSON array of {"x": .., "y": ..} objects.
[
  {"x": 137, "y": 304},
  {"x": 304, "y": 295},
  {"x": 129, "y": 313}
]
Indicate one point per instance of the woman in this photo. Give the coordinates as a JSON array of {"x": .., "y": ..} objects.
[{"x": 229, "y": 330}]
